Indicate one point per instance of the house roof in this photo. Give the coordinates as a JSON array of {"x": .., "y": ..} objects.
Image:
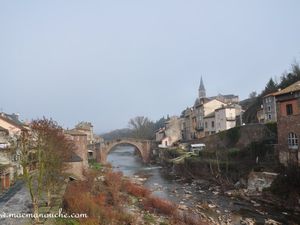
[
  {"x": 292, "y": 88},
  {"x": 75, "y": 132},
  {"x": 12, "y": 119},
  {"x": 225, "y": 107},
  {"x": 270, "y": 94}
]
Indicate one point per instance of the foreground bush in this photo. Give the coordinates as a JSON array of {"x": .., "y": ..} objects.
[
  {"x": 287, "y": 185},
  {"x": 100, "y": 207},
  {"x": 136, "y": 190},
  {"x": 156, "y": 204}
]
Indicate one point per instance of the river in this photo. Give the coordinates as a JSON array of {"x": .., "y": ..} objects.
[{"x": 194, "y": 194}]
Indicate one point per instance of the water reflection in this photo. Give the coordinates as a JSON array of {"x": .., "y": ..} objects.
[{"x": 125, "y": 159}]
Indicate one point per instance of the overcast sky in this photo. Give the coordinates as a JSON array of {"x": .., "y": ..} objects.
[{"x": 108, "y": 61}]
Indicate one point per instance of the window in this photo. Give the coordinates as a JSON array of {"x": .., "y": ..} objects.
[
  {"x": 205, "y": 124},
  {"x": 289, "y": 109},
  {"x": 269, "y": 116},
  {"x": 212, "y": 124},
  {"x": 269, "y": 108},
  {"x": 292, "y": 141}
]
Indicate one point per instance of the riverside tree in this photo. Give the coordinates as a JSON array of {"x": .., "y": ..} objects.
[
  {"x": 142, "y": 127},
  {"x": 43, "y": 151}
]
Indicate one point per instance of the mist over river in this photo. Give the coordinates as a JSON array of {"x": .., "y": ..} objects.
[{"x": 194, "y": 194}]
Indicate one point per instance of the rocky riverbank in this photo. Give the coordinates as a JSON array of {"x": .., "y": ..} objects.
[{"x": 221, "y": 204}]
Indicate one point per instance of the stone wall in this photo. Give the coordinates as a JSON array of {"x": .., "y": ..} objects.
[
  {"x": 286, "y": 125},
  {"x": 76, "y": 169},
  {"x": 246, "y": 134}
]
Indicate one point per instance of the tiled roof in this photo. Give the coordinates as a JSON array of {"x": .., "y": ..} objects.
[
  {"x": 12, "y": 119},
  {"x": 75, "y": 132},
  {"x": 292, "y": 88}
]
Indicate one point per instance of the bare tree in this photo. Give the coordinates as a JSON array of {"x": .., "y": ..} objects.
[
  {"x": 43, "y": 151},
  {"x": 142, "y": 127}
]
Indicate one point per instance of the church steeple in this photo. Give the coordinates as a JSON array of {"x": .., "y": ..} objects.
[{"x": 201, "y": 90}]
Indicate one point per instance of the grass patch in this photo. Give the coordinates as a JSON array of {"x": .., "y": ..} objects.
[
  {"x": 95, "y": 165},
  {"x": 149, "y": 219}
]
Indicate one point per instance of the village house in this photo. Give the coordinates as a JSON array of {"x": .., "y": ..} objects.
[
  {"x": 78, "y": 163},
  {"x": 159, "y": 134},
  {"x": 198, "y": 120},
  {"x": 188, "y": 128},
  {"x": 269, "y": 109},
  {"x": 93, "y": 141},
  {"x": 288, "y": 124},
  {"x": 12, "y": 123},
  {"x": 204, "y": 110},
  {"x": 225, "y": 118},
  {"x": 260, "y": 115},
  {"x": 10, "y": 128},
  {"x": 209, "y": 124},
  {"x": 171, "y": 133}
]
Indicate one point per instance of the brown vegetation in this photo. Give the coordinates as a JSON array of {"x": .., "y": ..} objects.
[
  {"x": 101, "y": 207},
  {"x": 135, "y": 189},
  {"x": 104, "y": 199},
  {"x": 159, "y": 205}
]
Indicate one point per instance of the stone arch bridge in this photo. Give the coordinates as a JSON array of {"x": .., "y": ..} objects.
[{"x": 143, "y": 146}]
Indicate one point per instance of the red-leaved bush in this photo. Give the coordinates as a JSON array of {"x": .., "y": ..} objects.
[
  {"x": 159, "y": 205},
  {"x": 135, "y": 189}
]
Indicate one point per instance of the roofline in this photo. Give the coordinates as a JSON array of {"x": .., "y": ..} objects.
[{"x": 12, "y": 122}]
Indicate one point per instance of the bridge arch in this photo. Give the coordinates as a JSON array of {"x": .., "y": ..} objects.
[
  {"x": 143, "y": 146},
  {"x": 127, "y": 143}
]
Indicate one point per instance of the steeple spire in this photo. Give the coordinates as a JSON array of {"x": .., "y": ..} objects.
[{"x": 201, "y": 90}]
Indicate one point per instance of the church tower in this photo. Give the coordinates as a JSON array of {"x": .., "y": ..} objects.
[{"x": 201, "y": 90}]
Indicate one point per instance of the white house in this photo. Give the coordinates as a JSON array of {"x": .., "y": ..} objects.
[{"x": 225, "y": 118}]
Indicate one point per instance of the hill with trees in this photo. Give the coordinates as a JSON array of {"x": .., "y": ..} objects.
[{"x": 254, "y": 102}]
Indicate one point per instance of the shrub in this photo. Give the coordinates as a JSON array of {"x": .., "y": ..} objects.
[
  {"x": 135, "y": 189},
  {"x": 113, "y": 180},
  {"x": 287, "y": 184},
  {"x": 186, "y": 219},
  {"x": 159, "y": 205},
  {"x": 233, "y": 135}
]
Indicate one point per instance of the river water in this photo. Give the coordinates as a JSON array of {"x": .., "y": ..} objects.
[{"x": 194, "y": 194}]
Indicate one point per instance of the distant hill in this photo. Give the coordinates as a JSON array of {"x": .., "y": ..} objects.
[{"x": 116, "y": 134}]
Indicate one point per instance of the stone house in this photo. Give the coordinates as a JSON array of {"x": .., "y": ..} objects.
[
  {"x": 209, "y": 124},
  {"x": 78, "y": 163},
  {"x": 171, "y": 133},
  {"x": 12, "y": 124},
  {"x": 260, "y": 115},
  {"x": 194, "y": 118},
  {"x": 160, "y": 134},
  {"x": 288, "y": 124},
  {"x": 10, "y": 127},
  {"x": 204, "y": 110},
  {"x": 93, "y": 141},
  {"x": 222, "y": 118},
  {"x": 86, "y": 128},
  {"x": 225, "y": 118},
  {"x": 188, "y": 128},
  {"x": 269, "y": 108}
]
